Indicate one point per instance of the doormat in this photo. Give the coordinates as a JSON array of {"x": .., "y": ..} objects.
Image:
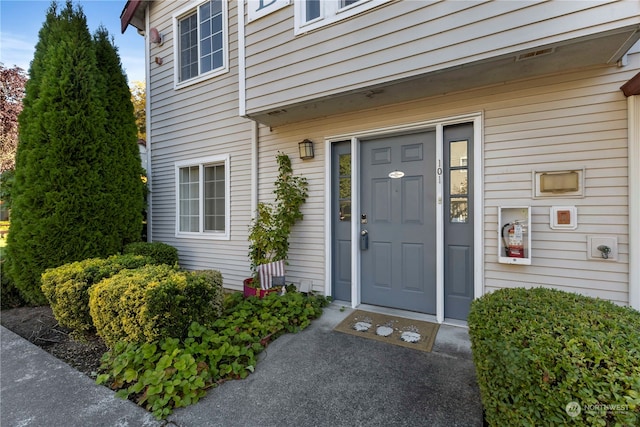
[{"x": 390, "y": 329}]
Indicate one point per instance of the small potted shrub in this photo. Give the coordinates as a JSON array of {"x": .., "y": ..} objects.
[{"x": 269, "y": 231}]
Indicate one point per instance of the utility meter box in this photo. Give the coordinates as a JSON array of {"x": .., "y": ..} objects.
[{"x": 514, "y": 235}]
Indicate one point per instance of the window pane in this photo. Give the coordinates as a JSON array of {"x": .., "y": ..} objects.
[
  {"x": 458, "y": 182},
  {"x": 216, "y": 7},
  {"x": 211, "y": 36},
  {"x": 458, "y": 154},
  {"x": 205, "y": 29},
  {"x": 345, "y": 188},
  {"x": 216, "y": 24},
  {"x": 215, "y": 198},
  {"x": 206, "y": 48},
  {"x": 312, "y": 9},
  {"x": 345, "y": 210},
  {"x": 194, "y": 225},
  {"x": 188, "y": 30},
  {"x": 345, "y": 3},
  {"x": 220, "y": 172},
  {"x": 218, "y": 60},
  {"x": 206, "y": 64},
  {"x": 345, "y": 164},
  {"x": 459, "y": 209},
  {"x": 205, "y": 9},
  {"x": 189, "y": 198},
  {"x": 216, "y": 42}
]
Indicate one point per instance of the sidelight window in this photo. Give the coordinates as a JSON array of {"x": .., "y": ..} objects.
[{"x": 458, "y": 181}]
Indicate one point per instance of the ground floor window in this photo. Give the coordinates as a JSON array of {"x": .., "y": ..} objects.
[{"x": 202, "y": 197}]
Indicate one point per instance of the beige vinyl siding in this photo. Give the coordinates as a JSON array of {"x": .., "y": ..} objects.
[
  {"x": 561, "y": 121},
  {"x": 403, "y": 39},
  {"x": 191, "y": 123}
]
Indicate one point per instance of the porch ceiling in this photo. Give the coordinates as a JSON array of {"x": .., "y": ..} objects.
[{"x": 600, "y": 49}]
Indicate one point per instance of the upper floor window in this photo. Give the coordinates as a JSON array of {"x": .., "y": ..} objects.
[
  {"x": 202, "y": 198},
  {"x": 201, "y": 47},
  {"x": 311, "y": 14}
]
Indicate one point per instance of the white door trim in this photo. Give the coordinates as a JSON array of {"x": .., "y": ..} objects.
[{"x": 355, "y": 138}]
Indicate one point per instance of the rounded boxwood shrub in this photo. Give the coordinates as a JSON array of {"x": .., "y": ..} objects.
[
  {"x": 160, "y": 252},
  {"x": 66, "y": 287},
  {"x": 153, "y": 302},
  {"x": 547, "y": 357}
]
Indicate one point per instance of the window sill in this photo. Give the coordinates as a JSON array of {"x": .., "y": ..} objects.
[
  {"x": 203, "y": 236},
  {"x": 194, "y": 80}
]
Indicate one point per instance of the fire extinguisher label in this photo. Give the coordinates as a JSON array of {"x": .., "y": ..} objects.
[{"x": 517, "y": 234}]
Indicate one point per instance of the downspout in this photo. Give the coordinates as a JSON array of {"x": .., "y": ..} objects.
[
  {"x": 147, "y": 88},
  {"x": 254, "y": 168},
  {"x": 633, "y": 109}
]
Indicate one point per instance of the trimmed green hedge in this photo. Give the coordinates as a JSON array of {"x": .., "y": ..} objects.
[
  {"x": 154, "y": 301},
  {"x": 160, "y": 252},
  {"x": 66, "y": 287},
  {"x": 540, "y": 351}
]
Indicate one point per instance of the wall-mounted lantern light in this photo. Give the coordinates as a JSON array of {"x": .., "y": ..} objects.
[
  {"x": 306, "y": 149},
  {"x": 156, "y": 37}
]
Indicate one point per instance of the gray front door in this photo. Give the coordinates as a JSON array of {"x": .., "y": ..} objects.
[
  {"x": 458, "y": 220},
  {"x": 398, "y": 212}
]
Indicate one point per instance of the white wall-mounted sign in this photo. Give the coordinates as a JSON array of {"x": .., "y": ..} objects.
[{"x": 260, "y": 8}]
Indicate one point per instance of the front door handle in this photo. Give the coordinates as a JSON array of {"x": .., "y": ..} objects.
[{"x": 364, "y": 240}]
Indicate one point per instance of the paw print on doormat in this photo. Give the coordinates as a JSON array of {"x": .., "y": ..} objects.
[
  {"x": 411, "y": 334},
  {"x": 362, "y": 325},
  {"x": 386, "y": 329}
]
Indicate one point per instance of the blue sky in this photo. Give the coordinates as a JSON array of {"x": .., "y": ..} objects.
[{"x": 21, "y": 20}]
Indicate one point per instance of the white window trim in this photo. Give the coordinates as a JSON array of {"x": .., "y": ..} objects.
[
  {"x": 330, "y": 12},
  {"x": 187, "y": 10},
  {"x": 201, "y": 162}
]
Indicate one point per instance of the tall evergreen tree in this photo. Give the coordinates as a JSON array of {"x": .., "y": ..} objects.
[
  {"x": 64, "y": 206},
  {"x": 122, "y": 170}
]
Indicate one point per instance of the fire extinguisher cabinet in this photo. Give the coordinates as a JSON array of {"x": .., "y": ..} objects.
[{"x": 514, "y": 235}]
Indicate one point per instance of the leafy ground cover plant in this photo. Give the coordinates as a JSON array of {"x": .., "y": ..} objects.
[
  {"x": 547, "y": 357},
  {"x": 171, "y": 373}
]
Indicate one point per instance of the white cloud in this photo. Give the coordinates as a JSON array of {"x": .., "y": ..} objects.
[{"x": 16, "y": 51}]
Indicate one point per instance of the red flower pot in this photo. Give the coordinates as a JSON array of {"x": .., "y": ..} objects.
[{"x": 250, "y": 291}]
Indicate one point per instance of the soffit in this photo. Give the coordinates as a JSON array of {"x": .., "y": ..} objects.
[{"x": 600, "y": 49}]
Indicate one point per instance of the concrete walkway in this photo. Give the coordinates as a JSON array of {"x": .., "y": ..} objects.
[{"x": 317, "y": 377}]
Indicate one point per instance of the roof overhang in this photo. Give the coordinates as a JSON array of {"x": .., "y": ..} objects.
[
  {"x": 632, "y": 87},
  {"x": 595, "y": 50},
  {"x": 133, "y": 14}
]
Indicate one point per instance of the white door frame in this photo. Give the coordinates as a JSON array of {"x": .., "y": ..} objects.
[{"x": 478, "y": 238}]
